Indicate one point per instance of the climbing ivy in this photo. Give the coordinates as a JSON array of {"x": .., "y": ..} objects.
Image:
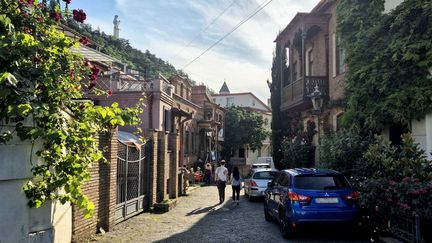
[
  {"x": 41, "y": 85},
  {"x": 389, "y": 56}
]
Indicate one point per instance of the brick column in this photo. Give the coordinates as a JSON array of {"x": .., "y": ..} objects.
[
  {"x": 163, "y": 166},
  {"x": 100, "y": 189},
  {"x": 174, "y": 142},
  {"x": 152, "y": 135}
]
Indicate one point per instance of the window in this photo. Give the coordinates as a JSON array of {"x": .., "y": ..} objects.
[
  {"x": 253, "y": 102},
  {"x": 338, "y": 56},
  {"x": 181, "y": 90},
  {"x": 320, "y": 182},
  {"x": 167, "y": 120},
  {"x": 309, "y": 62},
  {"x": 230, "y": 101},
  {"x": 241, "y": 153},
  {"x": 264, "y": 175},
  {"x": 186, "y": 145}
]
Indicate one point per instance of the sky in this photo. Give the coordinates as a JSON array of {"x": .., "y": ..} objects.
[{"x": 167, "y": 27}]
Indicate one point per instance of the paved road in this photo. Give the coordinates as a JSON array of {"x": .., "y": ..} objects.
[{"x": 198, "y": 218}]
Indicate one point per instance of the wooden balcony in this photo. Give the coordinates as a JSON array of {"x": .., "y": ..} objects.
[{"x": 296, "y": 94}]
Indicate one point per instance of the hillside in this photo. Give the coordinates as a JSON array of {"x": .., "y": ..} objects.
[{"x": 145, "y": 62}]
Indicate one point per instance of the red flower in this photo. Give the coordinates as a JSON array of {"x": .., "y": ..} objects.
[
  {"x": 109, "y": 93},
  {"x": 406, "y": 179},
  {"x": 79, "y": 15},
  {"x": 93, "y": 77},
  {"x": 392, "y": 182},
  {"x": 30, "y": 1},
  {"x": 405, "y": 206},
  {"x": 26, "y": 29},
  {"x": 84, "y": 40},
  {"x": 55, "y": 15},
  {"x": 95, "y": 70},
  {"x": 67, "y": 1}
]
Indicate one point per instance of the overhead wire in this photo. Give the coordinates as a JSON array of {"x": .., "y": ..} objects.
[
  {"x": 205, "y": 29},
  {"x": 247, "y": 18}
]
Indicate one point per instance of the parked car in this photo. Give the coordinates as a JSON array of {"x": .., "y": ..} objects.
[
  {"x": 266, "y": 160},
  {"x": 297, "y": 196},
  {"x": 260, "y": 166},
  {"x": 256, "y": 182}
]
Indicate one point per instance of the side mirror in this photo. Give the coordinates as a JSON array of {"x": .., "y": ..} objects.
[{"x": 269, "y": 184}]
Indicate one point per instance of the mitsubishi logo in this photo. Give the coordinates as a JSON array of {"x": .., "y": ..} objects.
[{"x": 326, "y": 194}]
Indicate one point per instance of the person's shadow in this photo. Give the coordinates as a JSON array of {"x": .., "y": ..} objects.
[{"x": 202, "y": 210}]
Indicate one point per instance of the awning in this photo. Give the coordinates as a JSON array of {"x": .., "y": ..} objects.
[{"x": 129, "y": 139}]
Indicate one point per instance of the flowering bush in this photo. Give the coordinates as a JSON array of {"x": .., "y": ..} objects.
[
  {"x": 40, "y": 81},
  {"x": 396, "y": 180}
]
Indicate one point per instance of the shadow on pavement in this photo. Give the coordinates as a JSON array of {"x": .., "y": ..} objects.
[
  {"x": 230, "y": 222},
  {"x": 201, "y": 210}
]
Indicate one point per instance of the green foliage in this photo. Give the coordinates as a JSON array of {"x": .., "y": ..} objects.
[
  {"x": 121, "y": 49},
  {"x": 388, "y": 57},
  {"x": 396, "y": 180},
  {"x": 275, "y": 103},
  {"x": 297, "y": 148},
  {"x": 242, "y": 127},
  {"x": 41, "y": 83},
  {"x": 343, "y": 150}
]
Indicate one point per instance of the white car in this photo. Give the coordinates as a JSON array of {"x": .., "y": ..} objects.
[{"x": 256, "y": 182}]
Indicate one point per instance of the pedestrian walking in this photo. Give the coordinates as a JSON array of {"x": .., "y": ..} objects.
[
  {"x": 207, "y": 173},
  {"x": 235, "y": 183},
  {"x": 221, "y": 174}
]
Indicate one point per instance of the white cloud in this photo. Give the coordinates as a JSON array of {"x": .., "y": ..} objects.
[{"x": 244, "y": 58}]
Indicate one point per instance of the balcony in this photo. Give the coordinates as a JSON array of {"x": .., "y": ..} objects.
[{"x": 296, "y": 94}]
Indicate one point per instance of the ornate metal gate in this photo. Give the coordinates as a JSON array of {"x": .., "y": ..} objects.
[{"x": 133, "y": 167}]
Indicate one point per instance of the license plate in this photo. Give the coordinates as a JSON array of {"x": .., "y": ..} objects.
[{"x": 327, "y": 200}]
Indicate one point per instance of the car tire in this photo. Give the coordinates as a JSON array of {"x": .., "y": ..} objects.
[
  {"x": 286, "y": 230},
  {"x": 267, "y": 215},
  {"x": 251, "y": 199}
]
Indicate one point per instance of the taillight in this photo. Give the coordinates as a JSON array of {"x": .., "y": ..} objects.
[
  {"x": 297, "y": 197},
  {"x": 253, "y": 183},
  {"x": 352, "y": 196}
]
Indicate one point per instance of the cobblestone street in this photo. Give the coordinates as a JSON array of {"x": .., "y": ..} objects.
[{"x": 198, "y": 218}]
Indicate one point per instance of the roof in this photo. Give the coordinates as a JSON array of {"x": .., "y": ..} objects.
[
  {"x": 244, "y": 93},
  {"x": 224, "y": 88},
  {"x": 310, "y": 171},
  {"x": 93, "y": 55}
]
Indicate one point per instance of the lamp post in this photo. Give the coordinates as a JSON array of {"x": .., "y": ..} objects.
[{"x": 317, "y": 102}]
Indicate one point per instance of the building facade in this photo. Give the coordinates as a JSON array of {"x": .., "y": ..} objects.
[{"x": 247, "y": 100}]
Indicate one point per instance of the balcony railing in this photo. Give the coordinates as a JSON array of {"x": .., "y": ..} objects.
[{"x": 297, "y": 93}]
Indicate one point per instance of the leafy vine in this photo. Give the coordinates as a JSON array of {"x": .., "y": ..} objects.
[
  {"x": 389, "y": 56},
  {"x": 42, "y": 83}
]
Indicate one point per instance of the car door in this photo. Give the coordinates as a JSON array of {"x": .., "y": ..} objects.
[{"x": 270, "y": 195}]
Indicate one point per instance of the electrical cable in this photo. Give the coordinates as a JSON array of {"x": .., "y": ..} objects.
[{"x": 262, "y": 6}]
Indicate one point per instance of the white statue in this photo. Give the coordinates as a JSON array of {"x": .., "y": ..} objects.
[{"x": 116, "y": 23}]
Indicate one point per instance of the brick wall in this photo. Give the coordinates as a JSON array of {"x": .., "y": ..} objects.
[
  {"x": 174, "y": 141},
  {"x": 101, "y": 190}
]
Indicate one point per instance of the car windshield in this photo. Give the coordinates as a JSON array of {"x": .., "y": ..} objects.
[
  {"x": 265, "y": 175},
  {"x": 320, "y": 182}
]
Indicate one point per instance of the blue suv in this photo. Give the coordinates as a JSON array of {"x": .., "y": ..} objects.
[{"x": 298, "y": 196}]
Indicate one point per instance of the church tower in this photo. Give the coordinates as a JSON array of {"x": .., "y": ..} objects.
[{"x": 224, "y": 89}]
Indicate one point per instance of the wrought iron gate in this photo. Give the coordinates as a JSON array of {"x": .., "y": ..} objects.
[{"x": 133, "y": 167}]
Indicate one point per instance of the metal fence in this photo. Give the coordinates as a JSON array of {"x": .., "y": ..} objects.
[{"x": 132, "y": 185}]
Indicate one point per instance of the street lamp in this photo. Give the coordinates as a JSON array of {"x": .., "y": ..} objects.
[{"x": 317, "y": 102}]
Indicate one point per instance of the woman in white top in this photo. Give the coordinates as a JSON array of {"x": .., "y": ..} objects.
[{"x": 235, "y": 183}]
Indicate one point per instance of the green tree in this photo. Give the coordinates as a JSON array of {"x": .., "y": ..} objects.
[
  {"x": 275, "y": 92},
  {"x": 242, "y": 127}
]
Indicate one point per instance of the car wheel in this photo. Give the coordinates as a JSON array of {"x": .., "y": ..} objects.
[
  {"x": 267, "y": 216},
  {"x": 251, "y": 198},
  {"x": 285, "y": 229}
]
